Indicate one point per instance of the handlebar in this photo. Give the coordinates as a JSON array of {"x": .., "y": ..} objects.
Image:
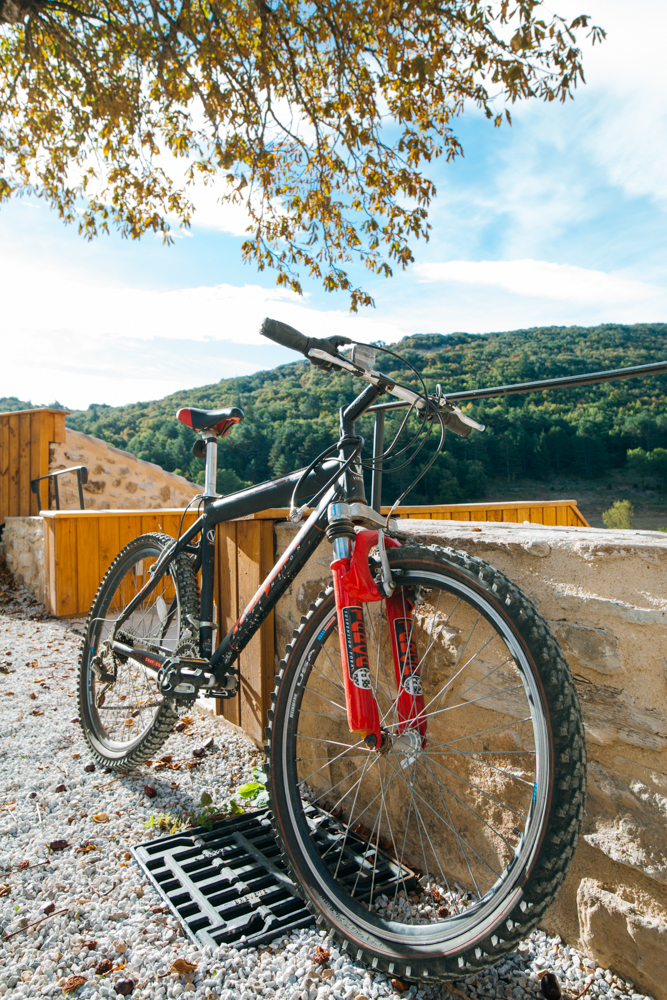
[
  {"x": 323, "y": 352},
  {"x": 287, "y": 336}
]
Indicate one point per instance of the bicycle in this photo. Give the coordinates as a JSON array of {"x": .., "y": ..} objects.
[{"x": 425, "y": 748}]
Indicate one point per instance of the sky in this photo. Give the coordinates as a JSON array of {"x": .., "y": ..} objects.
[{"x": 560, "y": 219}]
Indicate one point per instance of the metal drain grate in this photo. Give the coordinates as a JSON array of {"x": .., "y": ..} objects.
[{"x": 229, "y": 885}]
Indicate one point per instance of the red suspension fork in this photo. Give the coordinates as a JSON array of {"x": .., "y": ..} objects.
[
  {"x": 410, "y": 699},
  {"x": 362, "y": 711}
]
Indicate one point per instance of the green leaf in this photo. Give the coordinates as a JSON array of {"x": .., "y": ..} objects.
[
  {"x": 250, "y": 789},
  {"x": 206, "y": 799}
]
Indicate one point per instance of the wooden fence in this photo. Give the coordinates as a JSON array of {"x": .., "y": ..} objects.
[
  {"x": 25, "y": 436},
  {"x": 558, "y": 513},
  {"x": 79, "y": 547}
]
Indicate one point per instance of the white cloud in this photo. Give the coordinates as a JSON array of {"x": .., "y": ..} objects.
[
  {"x": 541, "y": 279},
  {"x": 79, "y": 340}
]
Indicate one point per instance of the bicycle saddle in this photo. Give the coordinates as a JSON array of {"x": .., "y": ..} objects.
[{"x": 219, "y": 422}]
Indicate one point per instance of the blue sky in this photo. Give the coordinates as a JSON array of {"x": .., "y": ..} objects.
[{"x": 561, "y": 219}]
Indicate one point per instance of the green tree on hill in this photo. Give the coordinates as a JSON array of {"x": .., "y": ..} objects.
[{"x": 291, "y": 413}]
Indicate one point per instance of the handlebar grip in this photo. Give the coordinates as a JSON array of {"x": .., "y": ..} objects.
[
  {"x": 286, "y": 336},
  {"x": 453, "y": 422}
]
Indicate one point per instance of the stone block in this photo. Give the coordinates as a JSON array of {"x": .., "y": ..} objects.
[
  {"x": 620, "y": 934},
  {"x": 117, "y": 480},
  {"x": 23, "y": 549}
]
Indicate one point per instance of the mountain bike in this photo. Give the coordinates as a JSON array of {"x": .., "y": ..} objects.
[{"x": 425, "y": 747}]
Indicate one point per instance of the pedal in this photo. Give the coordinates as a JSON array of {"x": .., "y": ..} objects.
[{"x": 185, "y": 676}]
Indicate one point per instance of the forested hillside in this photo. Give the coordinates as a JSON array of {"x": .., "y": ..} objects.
[{"x": 291, "y": 413}]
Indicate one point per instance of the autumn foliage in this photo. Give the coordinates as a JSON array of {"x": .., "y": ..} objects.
[{"x": 321, "y": 118}]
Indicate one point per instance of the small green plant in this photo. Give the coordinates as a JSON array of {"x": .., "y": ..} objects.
[
  {"x": 165, "y": 823},
  {"x": 208, "y": 813},
  {"x": 619, "y": 515},
  {"x": 254, "y": 792}
]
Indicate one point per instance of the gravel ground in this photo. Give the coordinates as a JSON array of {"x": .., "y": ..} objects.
[{"x": 92, "y": 901}]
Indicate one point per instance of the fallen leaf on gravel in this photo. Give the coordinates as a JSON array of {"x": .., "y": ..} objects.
[
  {"x": 36, "y": 711},
  {"x": 104, "y": 966},
  {"x": 167, "y": 759},
  {"x": 124, "y": 987},
  {"x": 90, "y": 945},
  {"x": 100, "y": 818},
  {"x": 361, "y": 996},
  {"x": 179, "y": 727},
  {"x": 399, "y": 985},
  {"x": 75, "y": 756},
  {"x": 74, "y": 983},
  {"x": 74, "y": 721},
  {"x": 181, "y": 966},
  {"x": 8, "y": 694},
  {"x": 443, "y": 911},
  {"x": 150, "y": 791},
  {"x": 129, "y": 722},
  {"x": 39, "y": 680},
  {"x": 174, "y": 784},
  {"x": 159, "y": 909},
  {"x": 127, "y": 856},
  {"x": 58, "y": 845},
  {"x": 33, "y": 696},
  {"x": 5, "y": 890},
  {"x": 89, "y": 768},
  {"x": 8, "y": 806},
  {"x": 49, "y": 908},
  {"x": 549, "y": 986},
  {"x": 22, "y": 865},
  {"x": 61, "y": 788},
  {"x": 199, "y": 752},
  {"x": 321, "y": 956},
  {"x": 192, "y": 763}
]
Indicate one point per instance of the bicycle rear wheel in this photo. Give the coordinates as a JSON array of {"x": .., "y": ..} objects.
[
  {"x": 125, "y": 719},
  {"x": 431, "y": 857}
]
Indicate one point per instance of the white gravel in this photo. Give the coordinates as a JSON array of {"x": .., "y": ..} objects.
[{"x": 105, "y": 896}]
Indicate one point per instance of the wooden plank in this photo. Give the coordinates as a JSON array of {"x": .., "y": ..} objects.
[
  {"x": 267, "y": 631},
  {"x": 227, "y": 559},
  {"x": 109, "y": 542},
  {"x": 4, "y": 467},
  {"x": 88, "y": 571},
  {"x": 50, "y": 602},
  {"x": 549, "y": 514},
  {"x": 24, "y": 464},
  {"x": 66, "y": 564},
  {"x": 38, "y": 432},
  {"x": 13, "y": 451},
  {"x": 249, "y": 565}
]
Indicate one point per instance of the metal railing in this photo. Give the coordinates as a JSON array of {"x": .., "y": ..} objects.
[{"x": 81, "y": 478}]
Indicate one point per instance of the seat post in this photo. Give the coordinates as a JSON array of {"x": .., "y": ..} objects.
[{"x": 211, "y": 466}]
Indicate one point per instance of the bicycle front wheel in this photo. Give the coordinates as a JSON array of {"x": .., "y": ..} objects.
[{"x": 437, "y": 853}]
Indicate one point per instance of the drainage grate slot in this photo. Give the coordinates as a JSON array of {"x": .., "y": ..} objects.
[{"x": 229, "y": 885}]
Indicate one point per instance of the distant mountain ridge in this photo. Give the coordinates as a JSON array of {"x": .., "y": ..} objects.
[{"x": 291, "y": 412}]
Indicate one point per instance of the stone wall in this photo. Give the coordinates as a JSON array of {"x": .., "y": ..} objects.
[
  {"x": 605, "y": 596},
  {"x": 117, "y": 480},
  {"x": 22, "y": 547}
]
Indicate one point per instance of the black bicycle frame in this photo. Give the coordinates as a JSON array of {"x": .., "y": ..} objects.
[{"x": 349, "y": 486}]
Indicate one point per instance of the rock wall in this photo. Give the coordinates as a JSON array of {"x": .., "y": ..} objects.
[
  {"x": 605, "y": 596},
  {"x": 117, "y": 480},
  {"x": 23, "y": 550}
]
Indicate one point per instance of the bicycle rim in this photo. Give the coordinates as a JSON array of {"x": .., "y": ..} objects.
[
  {"x": 123, "y": 710},
  {"x": 425, "y": 846}
]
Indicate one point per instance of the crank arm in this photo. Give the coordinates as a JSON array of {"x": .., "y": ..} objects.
[{"x": 150, "y": 659}]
